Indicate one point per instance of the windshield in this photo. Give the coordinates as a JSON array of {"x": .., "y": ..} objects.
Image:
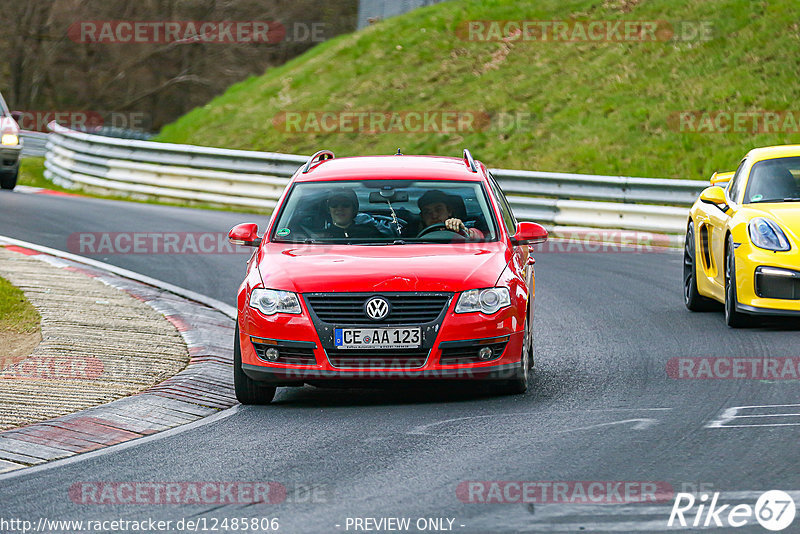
[
  {"x": 3, "y": 108},
  {"x": 385, "y": 212},
  {"x": 774, "y": 180}
]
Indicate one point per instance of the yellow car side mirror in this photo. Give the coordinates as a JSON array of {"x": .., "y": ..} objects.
[{"x": 713, "y": 195}]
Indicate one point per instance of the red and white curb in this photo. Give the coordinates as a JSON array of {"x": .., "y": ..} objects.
[
  {"x": 29, "y": 189},
  {"x": 202, "y": 389}
]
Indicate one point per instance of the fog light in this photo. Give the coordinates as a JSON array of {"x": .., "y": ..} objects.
[
  {"x": 271, "y": 354},
  {"x": 485, "y": 353}
]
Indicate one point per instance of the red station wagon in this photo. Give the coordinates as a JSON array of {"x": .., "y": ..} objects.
[{"x": 386, "y": 268}]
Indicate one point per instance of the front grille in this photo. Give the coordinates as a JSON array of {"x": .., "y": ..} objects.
[
  {"x": 291, "y": 355},
  {"x": 371, "y": 359},
  {"x": 772, "y": 286},
  {"x": 416, "y": 308},
  {"x": 469, "y": 353}
]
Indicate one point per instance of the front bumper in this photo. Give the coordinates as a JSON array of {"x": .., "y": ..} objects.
[
  {"x": 9, "y": 157},
  {"x": 287, "y": 375},
  {"x": 455, "y": 329},
  {"x": 753, "y": 286}
]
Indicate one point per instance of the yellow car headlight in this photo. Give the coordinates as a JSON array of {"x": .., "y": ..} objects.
[
  {"x": 766, "y": 234},
  {"x": 10, "y": 139}
]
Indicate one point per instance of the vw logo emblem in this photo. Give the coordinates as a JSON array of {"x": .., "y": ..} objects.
[{"x": 377, "y": 308}]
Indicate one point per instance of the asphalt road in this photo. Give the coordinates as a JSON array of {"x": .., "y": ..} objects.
[{"x": 601, "y": 408}]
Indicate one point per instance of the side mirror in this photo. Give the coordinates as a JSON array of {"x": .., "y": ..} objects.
[
  {"x": 528, "y": 233},
  {"x": 721, "y": 177},
  {"x": 713, "y": 195},
  {"x": 245, "y": 234}
]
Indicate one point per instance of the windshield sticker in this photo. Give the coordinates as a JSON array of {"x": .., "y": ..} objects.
[
  {"x": 756, "y": 198},
  {"x": 283, "y": 232}
]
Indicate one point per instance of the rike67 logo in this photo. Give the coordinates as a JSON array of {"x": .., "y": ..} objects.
[{"x": 774, "y": 510}]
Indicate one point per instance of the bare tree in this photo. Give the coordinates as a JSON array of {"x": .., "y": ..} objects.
[{"x": 49, "y": 69}]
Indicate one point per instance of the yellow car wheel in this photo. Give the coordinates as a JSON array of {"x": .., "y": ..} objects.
[
  {"x": 691, "y": 296},
  {"x": 733, "y": 318}
]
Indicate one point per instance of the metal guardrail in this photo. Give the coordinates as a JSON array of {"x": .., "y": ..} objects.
[
  {"x": 248, "y": 179},
  {"x": 34, "y": 144}
]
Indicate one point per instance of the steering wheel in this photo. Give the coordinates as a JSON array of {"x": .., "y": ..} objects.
[{"x": 436, "y": 227}]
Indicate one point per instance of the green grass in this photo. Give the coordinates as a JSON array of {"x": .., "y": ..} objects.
[
  {"x": 31, "y": 172},
  {"x": 16, "y": 313},
  {"x": 600, "y": 108}
]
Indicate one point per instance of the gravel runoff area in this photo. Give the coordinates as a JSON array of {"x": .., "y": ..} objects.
[
  {"x": 98, "y": 343},
  {"x": 110, "y": 338}
]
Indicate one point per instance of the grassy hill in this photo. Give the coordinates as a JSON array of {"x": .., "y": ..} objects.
[{"x": 590, "y": 107}]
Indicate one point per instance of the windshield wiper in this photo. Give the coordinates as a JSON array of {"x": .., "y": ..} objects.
[
  {"x": 767, "y": 200},
  {"x": 381, "y": 243}
]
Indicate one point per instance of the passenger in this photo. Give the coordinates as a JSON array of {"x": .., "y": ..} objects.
[
  {"x": 342, "y": 206},
  {"x": 436, "y": 207}
]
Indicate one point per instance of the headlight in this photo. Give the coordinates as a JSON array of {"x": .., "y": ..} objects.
[
  {"x": 10, "y": 139},
  {"x": 488, "y": 301},
  {"x": 270, "y": 302},
  {"x": 766, "y": 234}
]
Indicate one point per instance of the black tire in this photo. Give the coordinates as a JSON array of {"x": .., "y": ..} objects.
[
  {"x": 518, "y": 384},
  {"x": 8, "y": 180},
  {"x": 248, "y": 391},
  {"x": 692, "y": 298},
  {"x": 733, "y": 318}
]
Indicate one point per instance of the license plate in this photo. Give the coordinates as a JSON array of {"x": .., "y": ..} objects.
[{"x": 377, "y": 338}]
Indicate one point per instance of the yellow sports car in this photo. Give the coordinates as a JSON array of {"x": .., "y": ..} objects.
[{"x": 742, "y": 243}]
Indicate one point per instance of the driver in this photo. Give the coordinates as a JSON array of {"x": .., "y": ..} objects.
[
  {"x": 435, "y": 207},
  {"x": 342, "y": 206}
]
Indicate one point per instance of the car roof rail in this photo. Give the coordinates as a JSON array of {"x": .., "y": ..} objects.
[
  {"x": 321, "y": 155},
  {"x": 469, "y": 161}
]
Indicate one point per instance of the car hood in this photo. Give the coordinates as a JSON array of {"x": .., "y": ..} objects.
[
  {"x": 329, "y": 268},
  {"x": 786, "y": 214}
]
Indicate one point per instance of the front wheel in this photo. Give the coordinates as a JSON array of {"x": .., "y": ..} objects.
[
  {"x": 8, "y": 180},
  {"x": 692, "y": 298},
  {"x": 248, "y": 391},
  {"x": 518, "y": 384},
  {"x": 733, "y": 318}
]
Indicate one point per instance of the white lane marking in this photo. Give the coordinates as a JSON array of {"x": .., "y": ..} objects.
[
  {"x": 641, "y": 423},
  {"x": 738, "y": 412},
  {"x": 113, "y": 449}
]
